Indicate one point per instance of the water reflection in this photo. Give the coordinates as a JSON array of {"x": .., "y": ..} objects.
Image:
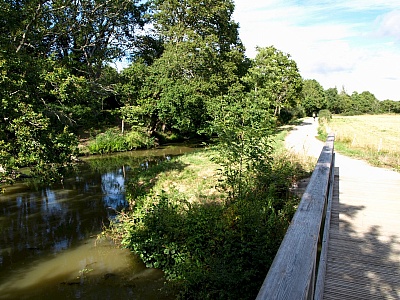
[
  {"x": 54, "y": 219},
  {"x": 46, "y": 237},
  {"x": 87, "y": 271},
  {"x": 113, "y": 188}
]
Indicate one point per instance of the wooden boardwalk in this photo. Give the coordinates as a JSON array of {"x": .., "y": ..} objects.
[
  {"x": 364, "y": 244},
  {"x": 363, "y": 260}
]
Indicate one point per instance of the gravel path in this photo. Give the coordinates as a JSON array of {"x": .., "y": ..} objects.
[
  {"x": 356, "y": 176},
  {"x": 302, "y": 139}
]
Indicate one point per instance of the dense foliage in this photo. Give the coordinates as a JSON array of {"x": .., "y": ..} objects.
[
  {"x": 186, "y": 58},
  {"x": 316, "y": 99},
  {"x": 52, "y": 57},
  {"x": 208, "y": 248},
  {"x": 274, "y": 77},
  {"x": 201, "y": 59}
]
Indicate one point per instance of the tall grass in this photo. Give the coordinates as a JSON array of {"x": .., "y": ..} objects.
[
  {"x": 374, "y": 138},
  {"x": 113, "y": 141}
]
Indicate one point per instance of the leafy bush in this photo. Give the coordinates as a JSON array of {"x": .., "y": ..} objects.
[
  {"x": 207, "y": 250},
  {"x": 322, "y": 134},
  {"x": 324, "y": 115},
  {"x": 112, "y": 141},
  {"x": 290, "y": 114},
  {"x": 138, "y": 139}
]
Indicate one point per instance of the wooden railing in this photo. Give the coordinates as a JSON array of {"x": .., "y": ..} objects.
[{"x": 298, "y": 270}]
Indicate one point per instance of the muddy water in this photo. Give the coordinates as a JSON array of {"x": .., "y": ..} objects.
[{"x": 48, "y": 245}]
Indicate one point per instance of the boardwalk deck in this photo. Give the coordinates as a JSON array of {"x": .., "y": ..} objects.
[
  {"x": 363, "y": 260},
  {"x": 364, "y": 246}
]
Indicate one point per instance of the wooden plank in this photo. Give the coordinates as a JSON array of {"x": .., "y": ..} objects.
[
  {"x": 359, "y": 288},
  {"x": 291, "y": 274},
  {"x": 364, "y": 248},
  {"x": 320, "y": 283}
]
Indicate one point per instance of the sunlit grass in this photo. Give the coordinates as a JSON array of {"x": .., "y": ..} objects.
[
  {"x": 198, "y": 180},
  {"x": 374, "y": 138},
  {"x": 199, "y": 176}
]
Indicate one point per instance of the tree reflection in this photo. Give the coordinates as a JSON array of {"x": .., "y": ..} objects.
[
  {"x": 39, "y": 225},
  {"x": 45, "y": 222},
  {"x": 113, "y": 187}
]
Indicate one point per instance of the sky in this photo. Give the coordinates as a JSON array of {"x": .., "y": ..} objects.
[{"x": 350, "y": 44}]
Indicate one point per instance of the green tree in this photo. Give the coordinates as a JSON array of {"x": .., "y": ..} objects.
[
  {"x": 313, "y": 96},
  {"x": 202, "y": 58},
  {"x": 52, "y": 58},
  {"x": 345, "y": 102},
  {"x": 27, "y": 137},
  {"x": 389, "y": 106},
  {"x": 243, "y": 127},
  {"x": 363, "y": 103},
  {"x": 275, "y": 78},
  {"x": 332, "y": 100}
]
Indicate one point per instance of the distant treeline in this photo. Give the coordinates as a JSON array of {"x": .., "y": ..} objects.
[{"x": 316, "y": 98}]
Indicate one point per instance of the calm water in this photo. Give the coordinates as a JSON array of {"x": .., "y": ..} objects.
[{"x": 48, "y": 245}]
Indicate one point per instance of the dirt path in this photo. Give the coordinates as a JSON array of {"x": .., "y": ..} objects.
[
  {"x": 369, "y": 223},
  {"x": 302, "y": 139}
]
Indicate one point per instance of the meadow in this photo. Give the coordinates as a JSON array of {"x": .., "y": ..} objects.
[{"x": 374, "y": 138}]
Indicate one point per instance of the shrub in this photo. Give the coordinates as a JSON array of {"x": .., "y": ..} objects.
[
  {"x": 138, "y": 139},
  {"x": 113, "y": 141},
  {"x": 290, "y": 114},
  {"x": 209, "y": 249},
  {"x": 324, "y": 115}
]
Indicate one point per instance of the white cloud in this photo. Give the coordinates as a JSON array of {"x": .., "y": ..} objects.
[
  {"x": 389, "y": 25},
  {"x": 346, "y": 49}
]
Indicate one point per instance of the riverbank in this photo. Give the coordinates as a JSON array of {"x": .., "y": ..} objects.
[
  {"x": 203, "y": 222},
  {"x": 50, "y": 250}
]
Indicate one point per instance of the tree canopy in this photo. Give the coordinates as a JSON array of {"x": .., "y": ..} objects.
[
  {"x": 52, "y": 55},
  {"x": 201, "y": 59},
  {"x": 274, "y": 77},
  {"x": 314, "y": 96}
]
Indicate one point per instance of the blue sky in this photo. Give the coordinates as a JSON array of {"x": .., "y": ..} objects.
[{"x": 353, "y": 44}]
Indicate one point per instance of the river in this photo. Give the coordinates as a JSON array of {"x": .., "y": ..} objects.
[{"x": 48, "y": 236}]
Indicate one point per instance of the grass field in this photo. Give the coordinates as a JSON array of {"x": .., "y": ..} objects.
[{"x": 375, "y": 138}]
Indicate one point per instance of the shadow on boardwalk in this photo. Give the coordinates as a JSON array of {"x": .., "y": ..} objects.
[
  {"x": 360, "y": 265},
  {"x": 364, "y": 246}
]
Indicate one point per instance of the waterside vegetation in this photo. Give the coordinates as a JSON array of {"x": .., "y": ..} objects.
[{"x": 210, "y": 228}]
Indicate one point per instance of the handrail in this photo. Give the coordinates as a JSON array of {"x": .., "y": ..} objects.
[{"x": 292, "y": 274}]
